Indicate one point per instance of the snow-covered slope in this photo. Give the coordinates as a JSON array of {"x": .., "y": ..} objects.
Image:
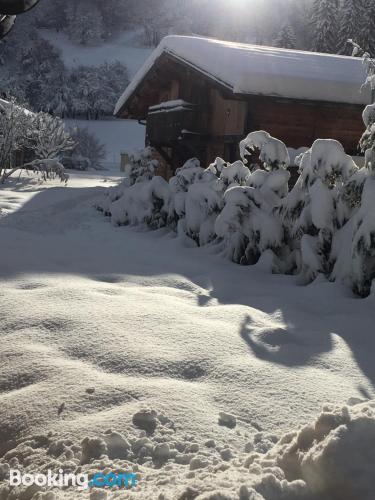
[
  {"x": 116, "y": 135},
  {"x": 123, "y": 48},
  {"x": 109, "y": 321}
]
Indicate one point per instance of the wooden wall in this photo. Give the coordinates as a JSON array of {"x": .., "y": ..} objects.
[
  {"x": 163, "y": 169},
  {"x": 227, "y": 116},
  {"x": 224, "y": 118},
  {"x": 299, "y": 123}
]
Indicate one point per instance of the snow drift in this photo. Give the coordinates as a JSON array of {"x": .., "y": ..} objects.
[{"x": 331, "y": 458}]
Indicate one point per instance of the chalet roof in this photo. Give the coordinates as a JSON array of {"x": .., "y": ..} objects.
[{"x": 268, "y": 71}]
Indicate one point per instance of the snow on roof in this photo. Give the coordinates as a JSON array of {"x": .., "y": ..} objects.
[
  {"x": 170, "y": 105},
  {"x": 269, "y": 71},
  {"x": 6, "y": 105}
]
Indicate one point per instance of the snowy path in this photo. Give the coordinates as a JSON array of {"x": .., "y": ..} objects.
[{"x": 147, "y": 322}]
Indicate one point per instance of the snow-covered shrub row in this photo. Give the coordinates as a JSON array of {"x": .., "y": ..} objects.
[{"x": 324, "y": 225}]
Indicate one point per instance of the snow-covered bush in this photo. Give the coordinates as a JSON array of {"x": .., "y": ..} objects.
[
  {"x": 197, "y": 201},
  {"x": 141, "y": 166},
  {"x": 363, "y": 245},
  {"x": 145, "y": 202},
  {"x": 142, "y": 197},
  {"x": 247, "y": 224},
  {"x": 48, "y": 169},
  {"x": 233, "y": 174},
  {"x": 273, "y": 152},
  {"x": 367, "y": 142},
  {"x": 317, "y": 206}
]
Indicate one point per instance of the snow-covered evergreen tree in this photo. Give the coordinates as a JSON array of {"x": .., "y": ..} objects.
[
  {"x": 324, "y": 19},
  {"x": 363, "y": 243},
  {"x": 247, "y": 224},
  {"x": 286, "y": 39},
  {"x": 367, "y": 141},
  {"x": 85, "y": 22},
  {"x": 141, "y": 166},
  {"x": 198, "y": 201},
  {"x": 353, "y": 20},
  {"x": 367, "y": 29},
  {"x": 317, "y": 206},
  {"x": 351, "y": 24}
]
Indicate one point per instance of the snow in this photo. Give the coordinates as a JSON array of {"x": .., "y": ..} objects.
[
  {"x": 368, "y": 115},
  {"x": 252, "y": 69},
  {"x": 117, "y": 136},
  {"x": 123, "y": 48},
  {"x": 294, "y": 153},
  {"x": 328, "y": 158},
  {"x": 121, "y": 348},
  {"x": 176, "y": 103},
  {"x": 273, "y": 152},
  {"x": 6, "y": 105},
  {"x": 171, "y": 107}
]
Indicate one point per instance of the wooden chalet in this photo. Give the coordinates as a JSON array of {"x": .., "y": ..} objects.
[{"x": 199, "y": 97}]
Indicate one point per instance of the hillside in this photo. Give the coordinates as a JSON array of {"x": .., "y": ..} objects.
[
  {"x": 124, "y": 48},
  {"x": 116, "y": 135}
]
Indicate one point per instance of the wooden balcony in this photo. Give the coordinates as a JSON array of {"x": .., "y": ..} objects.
[{"x": 174, "y": 121}]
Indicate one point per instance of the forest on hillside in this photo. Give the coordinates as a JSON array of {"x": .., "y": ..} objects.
[
  {"x": 33, "y": 70},
  {"x": 321, "y": 25}
]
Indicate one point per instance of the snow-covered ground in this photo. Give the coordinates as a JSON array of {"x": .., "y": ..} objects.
[
  {"x": 100, "y": 322},
  {"x": 116, "y": 135}
]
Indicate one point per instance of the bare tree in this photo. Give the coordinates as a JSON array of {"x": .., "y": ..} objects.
[
  {"x": 41, "y": 134},
  {"x": 14, "y": 126}
]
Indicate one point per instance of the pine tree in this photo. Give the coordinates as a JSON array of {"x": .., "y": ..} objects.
[
  {"x": 325, "y": 14},
  {"x": 85, "y": 23},
  {"x": 352, "y": 23},
  {"x": 367, "y": 34},
  {"x": 286, "y": 38}
]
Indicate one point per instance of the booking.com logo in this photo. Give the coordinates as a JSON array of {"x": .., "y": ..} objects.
[{"x": 81, "y": 481}]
